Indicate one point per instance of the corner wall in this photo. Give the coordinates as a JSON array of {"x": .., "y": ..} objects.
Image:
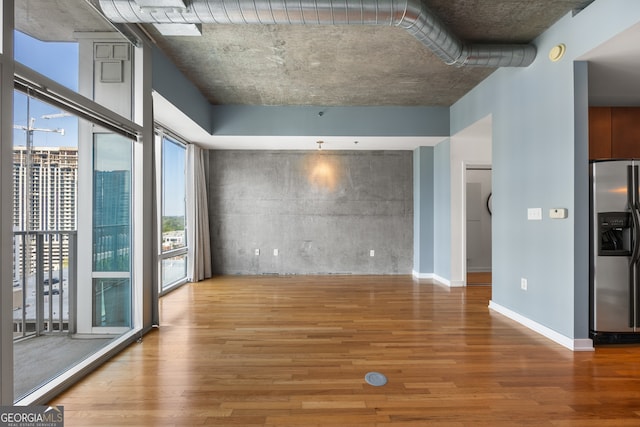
[
  {"x": 168, "y": 81},
  {"x": 538, "y": 162},
  {"x": 322, "y": 210},
  {"x": 442, "y": 212},
  {"x": 423, "y": 221}
]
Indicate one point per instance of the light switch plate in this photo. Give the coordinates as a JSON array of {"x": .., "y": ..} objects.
[
  {"x": 534, "y": 214},
  {"x": 558, "y": 213}
]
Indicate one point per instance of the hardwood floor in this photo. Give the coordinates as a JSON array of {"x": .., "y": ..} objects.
[
  {"x": 294, "y": 351},
  {"x": 479, "y": 278}
]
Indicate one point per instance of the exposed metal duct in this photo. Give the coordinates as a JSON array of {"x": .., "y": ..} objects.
[{"x": 412, "y": 15}]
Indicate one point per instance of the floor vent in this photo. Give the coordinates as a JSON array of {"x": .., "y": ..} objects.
[{"x": 375, "y": 378}]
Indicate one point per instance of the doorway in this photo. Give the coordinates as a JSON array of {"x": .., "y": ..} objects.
[{"x": 478, "y": 225}]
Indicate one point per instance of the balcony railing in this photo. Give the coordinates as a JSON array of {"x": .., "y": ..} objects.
[{"x": 45, "y": 283}]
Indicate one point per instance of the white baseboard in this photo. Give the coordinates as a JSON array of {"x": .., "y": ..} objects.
[
  {"x": 422, "y": 275},
  {"x": 584, "y": 344},
  {"x": 432, "y": 276},
  {"x": 479, "y": 269},
  {"x": 442, "y": 280}
]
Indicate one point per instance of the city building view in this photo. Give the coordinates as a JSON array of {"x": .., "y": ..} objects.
[{"x": 45, "y": 190}]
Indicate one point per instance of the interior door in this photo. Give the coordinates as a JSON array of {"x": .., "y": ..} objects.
[{"x": 478, "y": 223}]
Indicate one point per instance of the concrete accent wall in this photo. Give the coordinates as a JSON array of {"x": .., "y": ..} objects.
[{"x": 323, "y": 211}]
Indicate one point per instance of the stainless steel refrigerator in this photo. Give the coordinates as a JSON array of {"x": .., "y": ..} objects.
[{"x": 615, "y": 251}]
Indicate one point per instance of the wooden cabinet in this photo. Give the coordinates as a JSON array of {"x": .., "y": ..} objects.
[
  {"x": 599, "y": 133},
  {"x": 614, "y": 133},
  {"x": 625, "y": 133}
]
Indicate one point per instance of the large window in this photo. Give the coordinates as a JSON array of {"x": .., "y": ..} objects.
[
  {"x": 112, "y": 231},
  {"x": 80, "y": 270},
  {"x": 173, "y": 258}
]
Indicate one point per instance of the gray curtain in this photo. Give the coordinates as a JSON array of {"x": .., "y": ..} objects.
[{"x": 198, "y": 238}]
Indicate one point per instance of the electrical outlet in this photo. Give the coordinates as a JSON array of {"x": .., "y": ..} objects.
[
  {"x": 372, "y": 253},
  {"x": 257, "y": 252},
  {"x": 523, "y": 284},
  {"x": 558, "y": 213},
  {"x": 275, "y": 252}
]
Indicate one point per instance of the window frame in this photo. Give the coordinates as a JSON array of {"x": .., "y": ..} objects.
[
  {"x": 144, "y": 297},
  {"x": 162, "y": 135}
]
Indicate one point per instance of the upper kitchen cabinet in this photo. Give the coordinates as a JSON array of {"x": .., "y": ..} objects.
[
  {"x": 614, "y": 133},
  {"x": 625, "y": 132},
  {"x": 599, "y": 133}
]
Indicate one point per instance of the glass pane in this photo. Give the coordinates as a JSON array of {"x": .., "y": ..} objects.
[
  {"x": 173, "y": 195},
  {"x": 56, "y": 60},
  {"x": 112, "y": 302},
  {"x": 112, "y": 203},
  {"x": 45, "y": 165},
  {"x": 46, "y": 125},
  {"x": 45, "y": 206},
  {"x": 60, "y": 43},
  {"x": 174, "y": 269}
]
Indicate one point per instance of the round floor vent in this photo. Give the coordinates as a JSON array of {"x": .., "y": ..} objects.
[{"x": 375, "y": 378}]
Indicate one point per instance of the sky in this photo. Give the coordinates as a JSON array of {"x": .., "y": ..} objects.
[
  {"x": 60, "y": 62},
  {"x": 173, "y": 161}
]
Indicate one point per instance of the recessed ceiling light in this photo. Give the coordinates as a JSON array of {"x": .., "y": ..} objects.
[{"x": 557, "y": 52}]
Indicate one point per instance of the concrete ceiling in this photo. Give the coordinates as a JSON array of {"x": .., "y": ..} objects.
[
  {"x": 321, "y": 65},
  {"x": 351, "y": 65},
  {"x": 292, "y": 65}
]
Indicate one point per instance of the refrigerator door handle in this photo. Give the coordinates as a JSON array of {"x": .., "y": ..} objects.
[
  {"x": 633, "y": 266},
  {"x": 632, "y": 285},
  {"x": 632, "y": 184},
  {"x": 635, "y": 229},
  {"x": 635, "y": 276}
]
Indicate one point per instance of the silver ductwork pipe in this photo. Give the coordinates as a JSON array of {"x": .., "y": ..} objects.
[{"x": 412, "y": 15}]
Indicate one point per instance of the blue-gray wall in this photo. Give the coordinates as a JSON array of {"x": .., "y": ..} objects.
[
  {"x": 581, "y": 194},
  {"x": 432, "y": 212},
  {"x": 539, "y": 146},
  {"x": 323, "y": 210},
  {"x": 423, "y": 242},
  {"x": 169, "y": 82},
  {"x": 330, "y": 121},
  {"x": 442, "y": 211}
]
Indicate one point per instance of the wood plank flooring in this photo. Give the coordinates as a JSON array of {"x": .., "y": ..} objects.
[
  {"x": 294, "y": 351},
  {"x": 479, "y": 278}
]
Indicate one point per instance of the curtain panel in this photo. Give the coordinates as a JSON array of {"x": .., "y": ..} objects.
[{"x": 198, "y": 237}]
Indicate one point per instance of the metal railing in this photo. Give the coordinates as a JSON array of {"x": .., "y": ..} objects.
[{"x": 45, "y": 283}]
